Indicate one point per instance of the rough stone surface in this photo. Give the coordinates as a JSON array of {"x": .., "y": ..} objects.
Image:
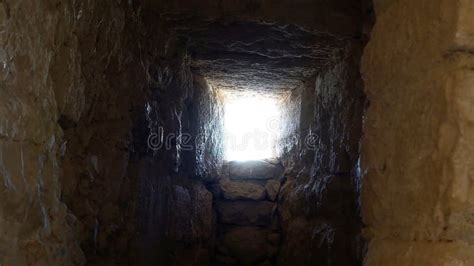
[
  {"x": 76, "y": 78},
  {"x": 55, "y": 65},
  {"x": 238, "y": 190},
  {"x": 417, "y": 151},
  {"x": 245, "y": 212},
  {"x": 206, "y": 113},
  {"x": 340, "y": 17},
  {"x": 175, "y": 219},
  {"x": 254, "y": 170},
  {"x": 246, "y": 244},
  {"x": 85, "y": 84},
  {"x": 257, "y": 56},
  {"x": 318, "y": 202},
  {"x": 260, "y": 46},
  {"x": 272, "y": 187}
]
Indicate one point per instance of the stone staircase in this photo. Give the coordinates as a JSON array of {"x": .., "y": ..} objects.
[{"x": 245, "y": 202}]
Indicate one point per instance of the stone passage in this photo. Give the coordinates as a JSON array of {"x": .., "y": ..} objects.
[
  {"x": 245, "y": 201},
  {"x": 112, "y": 132}
]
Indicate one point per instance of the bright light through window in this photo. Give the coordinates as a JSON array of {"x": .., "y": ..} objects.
[{"x": 252, "y": 126}]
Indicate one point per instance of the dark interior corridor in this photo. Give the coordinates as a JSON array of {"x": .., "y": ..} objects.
[{"x": 120, "y": 123}]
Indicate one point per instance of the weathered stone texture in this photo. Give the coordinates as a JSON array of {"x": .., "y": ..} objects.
[
  {"x": 74, "y": 78},
  {"x": 245, "y": 212},
  {"x": 84, "y": 84},
  {"x": 272, "y": 187},
  {"x": 260, "y": 46},
  {"x": 35, "y": 226},
  {"x": 247, "y": 244},
  {"x": 208, "y": 142},
  {"x": 417, "y": 156},
  {"x": 248, "y": 231},
  {"x": 175, "y": 216},
  {"x": 254, "y": 56},
  {"x": 318, "y": 202},
  {"x": 238, "y": 190}
]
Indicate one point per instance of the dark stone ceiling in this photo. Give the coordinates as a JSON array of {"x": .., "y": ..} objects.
[{"x": 251, "y": 55}]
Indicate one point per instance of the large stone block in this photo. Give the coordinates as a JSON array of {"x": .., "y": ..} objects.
[
  {"x": 235, "y": 190},
  {"x": 192, "y": 214},
  {"x": 272, "y": 187},
  {"x": 203, "y": 214},
  {"x": 245, "y": 212},
  {"x": 247, "y": 244},
  {"x": 415, "y": 152}
]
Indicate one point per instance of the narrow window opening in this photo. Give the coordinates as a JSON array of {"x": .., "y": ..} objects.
[{"x": 252, "y": 125}]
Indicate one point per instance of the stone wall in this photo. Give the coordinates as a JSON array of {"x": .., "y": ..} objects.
[
  {"x": 417, "y": 151},
  {"x": 207, "y": 111},
  {"x": 175, "y": 217},
  {"x": 318, "y": 202},
  {"x": 83, "y": 85},
  {"x": 43, "y": 80},
  {"x": 96, "y": 184},
  {"x": 247, "y": 229}
]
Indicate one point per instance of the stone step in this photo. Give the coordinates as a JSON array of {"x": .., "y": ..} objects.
[
  {"x": 249, "y": 245},
  {"x": 239, "y": 190},
  {"x": 245, "y": 212},
  {"x": 226, "y": 260}
]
